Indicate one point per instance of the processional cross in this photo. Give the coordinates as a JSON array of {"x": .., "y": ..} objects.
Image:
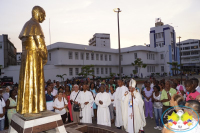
[{"x": 131, "y": 115}]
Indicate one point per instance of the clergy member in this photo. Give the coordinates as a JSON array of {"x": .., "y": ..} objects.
[
  {"x": 103, "y": 101},
  {"x": 133, "y": 113},
  {"x": 118, "y": 103},
  {"x": 86, "y": 99}
]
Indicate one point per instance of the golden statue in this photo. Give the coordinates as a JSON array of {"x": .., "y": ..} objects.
[{"x": 31, "y": 93}]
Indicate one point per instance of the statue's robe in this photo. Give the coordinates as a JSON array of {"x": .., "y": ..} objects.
[{"x": 31, "y": 90}]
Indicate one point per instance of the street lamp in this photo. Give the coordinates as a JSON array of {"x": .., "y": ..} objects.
[
  {"x": 180, "y": 58},
  {"x": 118, "y": 10}
]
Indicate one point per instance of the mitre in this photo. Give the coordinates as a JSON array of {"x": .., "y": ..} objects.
[{"x": 132, "y": 83}]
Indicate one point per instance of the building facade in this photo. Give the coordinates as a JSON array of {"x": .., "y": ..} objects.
[
  {"x": 68, "y": 58},
  {"x": 190, "y": 51},
  {"x": 7, "y": 52}
]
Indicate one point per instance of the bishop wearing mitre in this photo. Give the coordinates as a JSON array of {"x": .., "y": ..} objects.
[
  {"x": 133, "y": 113},
  {"x": 31, "y": 94}
]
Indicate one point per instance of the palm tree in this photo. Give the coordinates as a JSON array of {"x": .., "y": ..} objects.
[
  {"x": 139, "y": 63},
  {"x": 61, "y": 76}
]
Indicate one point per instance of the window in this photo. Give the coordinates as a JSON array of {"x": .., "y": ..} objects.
[
  {"x": 172, "y": 57},
  {"x": 93, "y": 71},
  {"x": 136, "y": 68},
  {"x": 162, "y": 34},
  {"x": 192, "y": 47},
  {"x": 135, "y": 55},
  {"x": 161, "y": 56},
  {"x": 110, "y": 70},
  {"x": 97, "y": 70},
  {"x": 153, "y": 57},
  {"x": 194, "y": 52},
  {"x": 70, "y": 55},
  {"x": 101, "y": 70},
  {"x": 162, "y": 68},
  {"x": 92, "y": 56},
  {"x": 159, "y": 35},
  {"x": 101, "y": 56},
  {"x": 76, "y": 55},
  {"x": 106, "y": 70},
  {"x": 87, "y": 56},
  {"x": 147, "y": 56},
  {"x": 71, "y": 71},
  {"x": 97, "y": 56},
  {"x": 82, "y": 56},
  {"x": 121, "y": 57},
  {"x": 106, "y": 57},
  {"x": 186, "y": 53},
  {"x": 147, "y": 68},
  {"x": 0, "y": 45},
  {"x": 109, "y": 57},
  {"x": 121, "y": 69},
  {"x": 49, "y": 56},
  {"x": 77, "y": 71},
  {"x": 187, "y": 48}
]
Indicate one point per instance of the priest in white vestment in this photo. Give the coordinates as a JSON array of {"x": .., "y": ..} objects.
[
  {"x": 118, "y": 103},
  {"x": 103, "y": 101},
  {"x": 86, "y": 99},
  {"x": 133, "y": 113}
]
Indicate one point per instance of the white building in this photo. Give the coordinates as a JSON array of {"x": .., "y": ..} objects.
[
  {"x": 100, "y": 40},
  {"x": 7, "y": 52},
  {"x": 68, "y": 58},
  {"x": 190, "y": 50}
]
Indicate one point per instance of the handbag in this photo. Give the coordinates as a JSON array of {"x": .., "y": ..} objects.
[
  {"x": 76, "y": 107},
  {"x": 66, "y": 107}
]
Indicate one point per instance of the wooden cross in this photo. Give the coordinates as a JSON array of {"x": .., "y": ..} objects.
[{"x": 131, "y": 115}]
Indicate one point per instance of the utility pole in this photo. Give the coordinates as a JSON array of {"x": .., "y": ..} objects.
[
  {"x": 180, "y": 58},
  {"x": 118, "y": 11}
]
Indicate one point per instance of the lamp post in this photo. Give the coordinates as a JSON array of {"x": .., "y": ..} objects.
[
  {"x": 180, "y": 58},
  {"x": 118, "y": 11}
]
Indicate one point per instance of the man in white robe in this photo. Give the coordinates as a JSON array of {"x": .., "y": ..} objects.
[
  {"x": 118, "y": 103},
  {"x": 103, "y": 101},
  {"x": 133, "y": 113},
  {"x": 86, "y": 99}
]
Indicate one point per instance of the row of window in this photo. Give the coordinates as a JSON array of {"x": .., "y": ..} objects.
[
  {"x": 150, "y": 56},
  {"x": 96, "y": 71},
  {"x": 187, "y": 43},
  {"x": 159, "y": 35},
  {"x": 90, "y": 56},
  {"x": 150, "y": 68},
  {"x": 192, "y": 47},
  {"x": 190, "y": 53}
]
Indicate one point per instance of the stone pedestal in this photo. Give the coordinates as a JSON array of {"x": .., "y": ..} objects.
[{"x": 47, "y": 120}]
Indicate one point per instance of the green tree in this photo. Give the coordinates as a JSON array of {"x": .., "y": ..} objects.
[
  {"x": 61, "y": 77},
  {"x": 175, "y": 67},
  {"x": 139, "y": 63},
  {"x": 112, "y": 75},
  {"x": 134, "y": 72},
  {"x": 87, "y": 71}
]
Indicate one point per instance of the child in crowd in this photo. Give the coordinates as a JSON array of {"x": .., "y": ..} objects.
[
  {"x": 111, "y": 108},
  {"x": 191, "y": 90},
  {"x": 157, "y": 107}
]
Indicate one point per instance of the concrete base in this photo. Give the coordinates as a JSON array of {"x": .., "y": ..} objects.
[{"x": 46, "y": 121}]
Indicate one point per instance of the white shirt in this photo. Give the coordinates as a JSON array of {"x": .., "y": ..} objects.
[
  {"x": 54, "y": 92},
  {"x": 2, "y": 105},
  {"x": 73, "y": 96},
  {"x": 112, "y": 97},
  {"x": 198, "y": 89},
  {"x": 60, "y": 104}
]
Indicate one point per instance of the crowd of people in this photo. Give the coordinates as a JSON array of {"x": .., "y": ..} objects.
[{"x": 118, "y": 102}]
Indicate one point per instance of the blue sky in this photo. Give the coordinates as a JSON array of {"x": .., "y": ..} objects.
[{"x": 76, "y": 21}]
